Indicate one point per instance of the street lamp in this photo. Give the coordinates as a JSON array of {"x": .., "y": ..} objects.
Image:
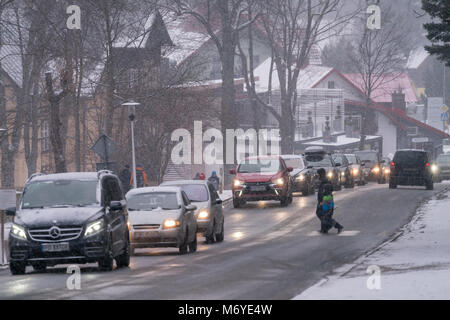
[{"x": 131, "y": 110}]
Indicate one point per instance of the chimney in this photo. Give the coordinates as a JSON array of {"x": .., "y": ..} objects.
[{"x": 399, "y": 100}]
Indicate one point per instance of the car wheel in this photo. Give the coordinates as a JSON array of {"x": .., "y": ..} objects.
[
  {"x": 430, "y": 185},
  {"x": 39, "y": 267},
  {"x": 237, "y": 203},
  {"x": 284, "y": 202},
  {"x": 306, "y": 192},
  {"x": 392, "y": 185},
  {"x": 17, "y": 268},
  {"x": 107, "y": 263},
  {"x": 220, "y": 236},
  {"x": 184, "y": 247},
  {"x": 193, "y": 245},
  {"x": 124, "y": 259}
]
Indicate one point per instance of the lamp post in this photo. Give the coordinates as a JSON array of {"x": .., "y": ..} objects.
[{"x": 131, "y": 110}]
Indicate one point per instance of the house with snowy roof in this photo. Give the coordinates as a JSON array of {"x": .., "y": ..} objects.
[{"x": 386, "y": 113}]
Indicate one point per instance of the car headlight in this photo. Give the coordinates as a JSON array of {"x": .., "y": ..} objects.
[
  {"x": 301, "y": 177},
  {"x": 204, "y": 214},
  {"x": 343, "y": 173},
  {"x": 376, "y": 170},
  {"x": 238, "y": 183},
  {"x": 279, "y": 182},
  {"x": 330, "y": 175},
  {"x": 387, "y": 171},
  {"x": 170, "y": 224},
  {"x": 355, "y": 172},
  {"x": 18, "y": 232},
  {"x": 94, "y": 228},
  {"x": 434, "y": 168}
]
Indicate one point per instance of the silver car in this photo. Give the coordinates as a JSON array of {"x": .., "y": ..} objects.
[
  {"x": 161, "y": 217},
  {"x": 209, "y": 213}
]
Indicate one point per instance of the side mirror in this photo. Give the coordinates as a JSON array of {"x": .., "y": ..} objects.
[
  {"x": 290, "y": 169},
  {"x": 190, "y": 208},
  {"x": 116, "y": 206},
  {"x": 219, "y": 202},
  {"x": 11, "y": 212},
  {"x": 363, "y": 164},
  {"x": 310, "y": 167},
  {"x": 233, "y": 171},
  {"x": 383, "y": 161},
  {"x": 338, "y": 165}
]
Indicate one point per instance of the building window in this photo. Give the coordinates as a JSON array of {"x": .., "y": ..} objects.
[
  {"x": 45, "y": 136},
  {"x": 133, "y": 78},
  {"x": 413, "y": 131},
  {"x": 331, "y": 85}
]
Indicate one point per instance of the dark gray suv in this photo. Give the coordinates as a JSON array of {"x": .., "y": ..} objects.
[
  {"x": 70, "y": 218},
  {"x": 411, "y": 168}
]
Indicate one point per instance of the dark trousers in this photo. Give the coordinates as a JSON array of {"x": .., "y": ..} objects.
[{"x": 326, "y": 221}]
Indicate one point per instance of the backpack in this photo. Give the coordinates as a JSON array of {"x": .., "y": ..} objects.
[{"x": 139, "y": 179}]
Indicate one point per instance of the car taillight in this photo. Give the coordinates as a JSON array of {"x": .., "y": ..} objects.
[
  {"x": 427, "y": 165},
  {"x": 392, "y": 164}
]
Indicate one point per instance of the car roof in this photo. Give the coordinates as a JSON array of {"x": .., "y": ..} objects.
[
  {"x": 291, "y": 156},
  {"x": 263, "y": 158},
  {"x": 66, "y": 176},
  {"x": 411, "y": 150},
  {"x": 184, "y": 182},
  {"x": 153, "y": 189}
]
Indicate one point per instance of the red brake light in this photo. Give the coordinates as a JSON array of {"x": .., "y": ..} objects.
[
  {"x": 392, "y": 164},
  {"x": 427, "y": 165}
]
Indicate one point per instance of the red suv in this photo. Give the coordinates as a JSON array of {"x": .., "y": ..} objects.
[{"x": 262, "y": 178}]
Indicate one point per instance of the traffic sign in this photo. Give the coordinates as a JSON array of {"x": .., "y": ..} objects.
[{"x": 105, "y": 147}]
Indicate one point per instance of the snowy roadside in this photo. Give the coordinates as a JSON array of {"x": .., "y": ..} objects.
[
  {"x": 7, "y": 229},
  {"x": 415, "y": 265}
]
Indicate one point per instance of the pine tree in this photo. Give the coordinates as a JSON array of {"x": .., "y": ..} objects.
[{"x": 439, "y": 29}]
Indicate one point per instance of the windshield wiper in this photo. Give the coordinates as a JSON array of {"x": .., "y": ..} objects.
[{"x": 61, "y": 206}]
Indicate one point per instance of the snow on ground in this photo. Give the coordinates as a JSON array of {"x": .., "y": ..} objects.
[
  {"x": 7, "y": 228},
  {"x": 416, "y": 265}
]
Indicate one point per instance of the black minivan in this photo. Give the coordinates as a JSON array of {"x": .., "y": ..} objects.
[
  {"x": 70, "y": 218},
  {"x": 411, "y": 168}
]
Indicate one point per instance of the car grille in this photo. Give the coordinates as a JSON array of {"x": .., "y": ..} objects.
[
  {"x": 55, "y": 234},
  {"x": 146, "y": 226}
]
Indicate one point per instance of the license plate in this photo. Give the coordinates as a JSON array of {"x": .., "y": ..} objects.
[
  {"x": 146, "y": 235},
  {"x": 55, "y": 247},
  {"x": 258, "y": 189}
]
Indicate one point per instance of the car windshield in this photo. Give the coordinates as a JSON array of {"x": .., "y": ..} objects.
[
  {"x": 368, "y": 156},
  {"x": 60, "y": 193},
  {"x": 153, "y": 200},
  {"x": 443, "y": 159},
  {"x": 260, "y": 166},
  {"x": 319, "y": 160},
  {"x": 352, "y": 159},
  {"x": 339, "y": 159},
  {"x": 410, "y": 158},
  {"x": 195, "y": 192},
  {"x": 295, "y": 163}
]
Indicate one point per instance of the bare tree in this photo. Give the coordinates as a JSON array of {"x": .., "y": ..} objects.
[
  {"x": 222, "y": 20},
  {"x": 292, "y": 29},
  {"x": 379, "y": 57}
]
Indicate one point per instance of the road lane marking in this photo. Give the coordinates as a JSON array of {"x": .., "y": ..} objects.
[{"x": 349, "y": 233}]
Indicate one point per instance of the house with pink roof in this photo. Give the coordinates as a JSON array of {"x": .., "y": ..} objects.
[{"x": 386, "y": 113}]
